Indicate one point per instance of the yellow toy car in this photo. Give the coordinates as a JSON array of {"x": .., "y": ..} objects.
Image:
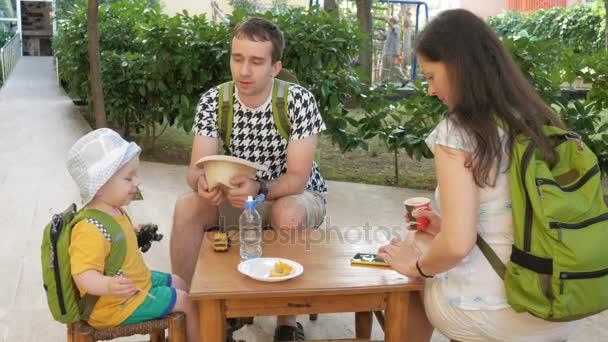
[{"x": 221, "y": 242}]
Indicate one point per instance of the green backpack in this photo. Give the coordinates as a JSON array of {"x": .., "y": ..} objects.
[
  {"x": 225, "y": 112},
  {"x": 558, "y": 269},
  {"x": 63, "y": 297}
]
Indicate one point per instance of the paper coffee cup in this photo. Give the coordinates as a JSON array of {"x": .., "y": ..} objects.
[{"x": 414, "y": 203}]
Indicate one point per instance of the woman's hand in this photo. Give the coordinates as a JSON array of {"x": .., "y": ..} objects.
[
  {"x": 401, "y": 256},
  {"x": 434, "y": 226}
]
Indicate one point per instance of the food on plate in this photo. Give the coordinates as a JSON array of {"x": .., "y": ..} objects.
[{"x": 281, "y": 269}]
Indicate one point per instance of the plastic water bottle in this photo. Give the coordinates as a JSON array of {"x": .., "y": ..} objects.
[{"x": 250, "y": 227}]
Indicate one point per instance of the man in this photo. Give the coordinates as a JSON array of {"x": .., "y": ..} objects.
[
  {"x": 293, "y": 186},
  {"x": 406, "y": 46},
  {"x": 391, "y": 68}
]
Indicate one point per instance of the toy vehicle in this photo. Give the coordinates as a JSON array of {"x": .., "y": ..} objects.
[{"x": 221, "y": 242}]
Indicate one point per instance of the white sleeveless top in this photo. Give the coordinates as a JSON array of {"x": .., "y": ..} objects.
[{"x": 473, "y": 284}]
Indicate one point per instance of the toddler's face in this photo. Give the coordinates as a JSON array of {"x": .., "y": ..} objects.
[{"x": 120, "y": 190}]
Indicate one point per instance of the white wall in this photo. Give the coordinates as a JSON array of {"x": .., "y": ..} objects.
[
  {"x": 485, "y": 8},
  {"x": 172, "y": 7}
]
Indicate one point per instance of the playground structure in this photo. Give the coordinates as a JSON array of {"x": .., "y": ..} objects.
[
  {"x": 405, "y": 23},
  {"x": 406, "y": 36}
]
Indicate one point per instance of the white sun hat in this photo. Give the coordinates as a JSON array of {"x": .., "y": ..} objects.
[
  {"x": 96, "y": 157},
  {"x": 220, "y": 169}
]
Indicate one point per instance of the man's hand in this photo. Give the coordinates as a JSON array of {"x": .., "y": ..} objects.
[
  {"x": 245, "y": 187},
  {"x": 215, "y": 196}
]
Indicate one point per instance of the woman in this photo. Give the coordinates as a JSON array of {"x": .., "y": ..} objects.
[{"x": 471, "y": 72}]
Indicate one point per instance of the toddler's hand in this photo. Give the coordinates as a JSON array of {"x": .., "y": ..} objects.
[{"x": 121, "y": 287}]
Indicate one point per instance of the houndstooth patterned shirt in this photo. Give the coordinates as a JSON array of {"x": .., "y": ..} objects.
[{"x": 254, "y": 134}]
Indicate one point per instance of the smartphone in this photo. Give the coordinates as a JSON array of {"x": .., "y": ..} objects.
[{"x": 368, "y": 259}]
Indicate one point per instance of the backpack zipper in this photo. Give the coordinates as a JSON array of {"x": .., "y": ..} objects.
[
  {"x": 571, "y": 135},
  {"x": 55, "y": 232},
  {"x": 563, "y": 276},
  {"x": 579, "y": 225},
  {"x": 592, "y": 172}
]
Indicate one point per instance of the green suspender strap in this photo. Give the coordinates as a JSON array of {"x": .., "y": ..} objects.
[
  {"x": 225, "y": 112},
  {"x": 280, "y": 93},
  {"x": 112, "y": 232}
]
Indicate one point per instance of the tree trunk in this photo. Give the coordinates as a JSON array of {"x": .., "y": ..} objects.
[
  {"x": 95, "y": 64},
  {"x": 606, "y": 7},
  {"x": 396, "y": 166},
  {"x": 331, "y": 7},
  {"x": 126, "y": 133},
  {"x": 364, "y": 15}
]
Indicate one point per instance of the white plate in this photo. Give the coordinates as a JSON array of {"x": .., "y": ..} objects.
[{"x": 259, "y": 269}]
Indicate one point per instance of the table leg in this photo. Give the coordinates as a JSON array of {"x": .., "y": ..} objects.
[
  {"x": 363, "y": 324},
  {"x": 395, "y": 319},
  {"x": 212, "y": 320}
]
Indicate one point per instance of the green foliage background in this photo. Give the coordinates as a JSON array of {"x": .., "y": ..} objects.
[
  {"x": 155, "y": 67},
  {"x": 579, "y": 27}
]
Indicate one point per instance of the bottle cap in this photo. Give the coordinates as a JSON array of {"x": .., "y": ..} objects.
[{"x": 250, "y": 203}]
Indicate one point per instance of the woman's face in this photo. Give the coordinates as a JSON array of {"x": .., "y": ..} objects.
[{"x": 436, "y": 74}]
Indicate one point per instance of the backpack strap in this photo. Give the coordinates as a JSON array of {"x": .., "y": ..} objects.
[
  {"x": 493, "y": 259},
  {"x": 280, "y": 111},
  {"x": 225, "y": 113},
  {"x": 112, "y": 231}
]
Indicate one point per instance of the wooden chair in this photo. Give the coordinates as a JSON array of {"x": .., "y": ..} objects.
[{"x": 175, "y": 322}]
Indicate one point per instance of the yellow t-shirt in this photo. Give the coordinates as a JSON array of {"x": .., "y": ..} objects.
[{"x": 88, "y": 251}]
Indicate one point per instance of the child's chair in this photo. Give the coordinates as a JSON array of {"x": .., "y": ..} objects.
[{"x": 175, "y": 322}]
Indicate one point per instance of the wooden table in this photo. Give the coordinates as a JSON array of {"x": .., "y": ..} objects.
[{"x": 329, "y": 283}]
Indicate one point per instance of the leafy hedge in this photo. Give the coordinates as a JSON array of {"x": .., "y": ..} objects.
[
  {"x": 547, "y": 71},
  {"x": 578, "y": 27},
  {"x": 5, "y": 34},
  {"x": 155, "y": 67}
]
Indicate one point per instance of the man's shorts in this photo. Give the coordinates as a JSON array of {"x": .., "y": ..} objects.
[
  {"x": 312, "y": 201},
  {"x": 159, "y": 307}
]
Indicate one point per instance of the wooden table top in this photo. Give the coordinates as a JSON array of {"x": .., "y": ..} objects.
[{"x": 324, "y": 254}]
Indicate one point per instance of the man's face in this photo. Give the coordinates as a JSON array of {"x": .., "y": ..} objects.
[{"x": 251, "y": 66}]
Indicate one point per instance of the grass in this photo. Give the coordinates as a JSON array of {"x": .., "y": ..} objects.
[{"x": 375, "y": 166}]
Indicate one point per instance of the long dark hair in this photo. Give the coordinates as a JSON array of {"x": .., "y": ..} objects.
[{"x": 485, "y": 84}]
